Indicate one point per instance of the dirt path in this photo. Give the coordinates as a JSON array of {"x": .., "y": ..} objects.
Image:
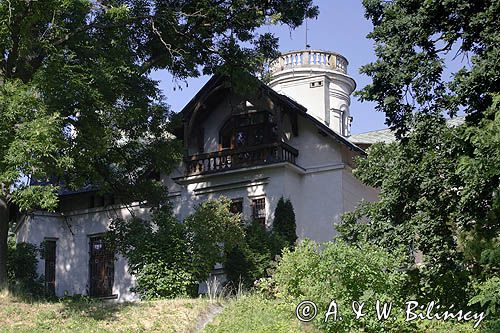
[{"x": 213, "y": 310}]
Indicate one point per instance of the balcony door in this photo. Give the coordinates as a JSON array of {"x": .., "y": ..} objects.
[{"x": 247, "y": 130}]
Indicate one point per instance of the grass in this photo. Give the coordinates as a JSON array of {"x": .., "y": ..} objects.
[
  {"x": 254, "y": 313},
  {"x": 178, "y": 315},
  {"x": 435, "y": 326},
  {"x": 246, "y": 313}
]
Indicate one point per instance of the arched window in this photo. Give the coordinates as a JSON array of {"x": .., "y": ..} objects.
[{"x": 249, "y": 129}]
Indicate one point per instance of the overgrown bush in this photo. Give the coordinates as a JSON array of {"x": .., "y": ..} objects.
[
  {"x": 284, "y": 225},
  {"x": 22, "y": 273},
  {"x": 253, "y": 259},
  {"x": 155, "y": 249},
  {"x": 170, "y": 258},
  {"x": 488, "y": 296},
  {"x": 343, "y": 273},
  {"x": 157, "y": 280},
  {"x": 250, "y": 261},
  {"x": 212, "y": 232}
]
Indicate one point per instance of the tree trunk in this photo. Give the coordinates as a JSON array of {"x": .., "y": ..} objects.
[{"x": 4, "y": 231}]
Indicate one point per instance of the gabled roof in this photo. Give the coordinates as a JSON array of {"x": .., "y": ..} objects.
[{"x": 223, "y": 81}]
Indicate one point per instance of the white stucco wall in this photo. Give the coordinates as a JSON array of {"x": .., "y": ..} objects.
[
  {"x": 354, "y": 191},
  {"x": 325, "y": 94},
  {"x": 72, "y": 248},
  {"x": 314, "y": 150},
  {"x": 321, "y": 186}
]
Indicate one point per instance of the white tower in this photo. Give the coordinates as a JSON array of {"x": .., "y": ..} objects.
[{"x": 318, "y": 80}]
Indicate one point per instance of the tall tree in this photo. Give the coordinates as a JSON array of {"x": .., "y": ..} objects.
[
  {"x": 77, "y": 103},
  {"x": 412, "y": 40},
  {"x": 439, "y": 185}
]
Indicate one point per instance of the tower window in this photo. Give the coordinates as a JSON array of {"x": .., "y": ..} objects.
[{"x": 316, "y": 84}]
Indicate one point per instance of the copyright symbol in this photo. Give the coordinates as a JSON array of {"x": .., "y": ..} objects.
[{"x": 306, "y": 311}]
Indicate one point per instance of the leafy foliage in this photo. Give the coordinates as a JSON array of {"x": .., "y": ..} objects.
[
  {"x": 341, "y": 272},
  {"x": 254, "y": 258},
  {"x": 284, "y": 222},
  {"x": 170, "y": 258},
  {"x": 438, "y": 195},
  {"x": 30, "y": 143},
  {"x": 489, "y": 295},
  {"x": 157, "y": 280},
  {"x": 78, "y": 105},
  {"x": 439, "y": 184},
  {"x": 251, "y": 260},
  {"x": 212, "y": 231},
  {"x": 412, "y": 41},
  {"x": 156, "y": 251},
  {"x": 21, "y": 267}
]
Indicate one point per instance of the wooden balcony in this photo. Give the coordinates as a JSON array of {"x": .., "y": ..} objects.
[{"x": 230, "y": 159}]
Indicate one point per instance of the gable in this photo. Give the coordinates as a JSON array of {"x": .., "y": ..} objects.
[{"x": 216, "y": 101}]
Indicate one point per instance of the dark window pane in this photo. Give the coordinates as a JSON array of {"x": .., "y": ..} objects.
[
  {"x": 101, "y": 268},
  {"x": 259, "y": 211},
  {"x": 241, "y": 139},
  {"x": 243, "y": 121},
  {"x": 258, "y": 118},
  {"x": 226, "y": 135},
  {"x": 248, "y": 130},
  {"x": 274, "y": 133},
  {"x": 50, "y": 266},
  {"x": 236, "y": 206},
  {"x": 258, "y": 136}
]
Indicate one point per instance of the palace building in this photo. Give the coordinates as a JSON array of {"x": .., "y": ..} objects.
[{"x": 289, "y": 138}]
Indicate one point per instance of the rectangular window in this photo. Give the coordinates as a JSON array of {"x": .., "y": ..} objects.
[
  {"x": 49, "y": 254},
  {"x": 236, "y": 206},
  {"x": 259, "y": 211},
  {"x": 102, "y": 268}
]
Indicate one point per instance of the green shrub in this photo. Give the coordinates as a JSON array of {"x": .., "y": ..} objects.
[
  {"x": 250, "y": 261},
  {"x": 212, "y": 232},
  {"x": 157, "y": 280},
  {"x": 155, "y": 249},
  {"x": 284, "y": 225},
  {"x": 342, "y": 273},
  {"x": 253, "y": 259},
  {"x": 488, "y": 296},
  {"x": 169, "y": 258},
  {"x": 22, "y": 269}
]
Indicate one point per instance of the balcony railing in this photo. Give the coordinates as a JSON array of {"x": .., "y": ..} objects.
[
  {"x": 309, "y": 58},
  {"x": 229, "y": 159}
]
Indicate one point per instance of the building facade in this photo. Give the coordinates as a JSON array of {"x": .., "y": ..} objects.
[{"x": 289, "y": 138}]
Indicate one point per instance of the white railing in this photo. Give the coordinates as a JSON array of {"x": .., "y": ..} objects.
[{"x": 309, "y": 58}]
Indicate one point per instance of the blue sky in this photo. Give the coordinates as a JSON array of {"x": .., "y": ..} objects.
[{"x": 341, "y": 27}]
